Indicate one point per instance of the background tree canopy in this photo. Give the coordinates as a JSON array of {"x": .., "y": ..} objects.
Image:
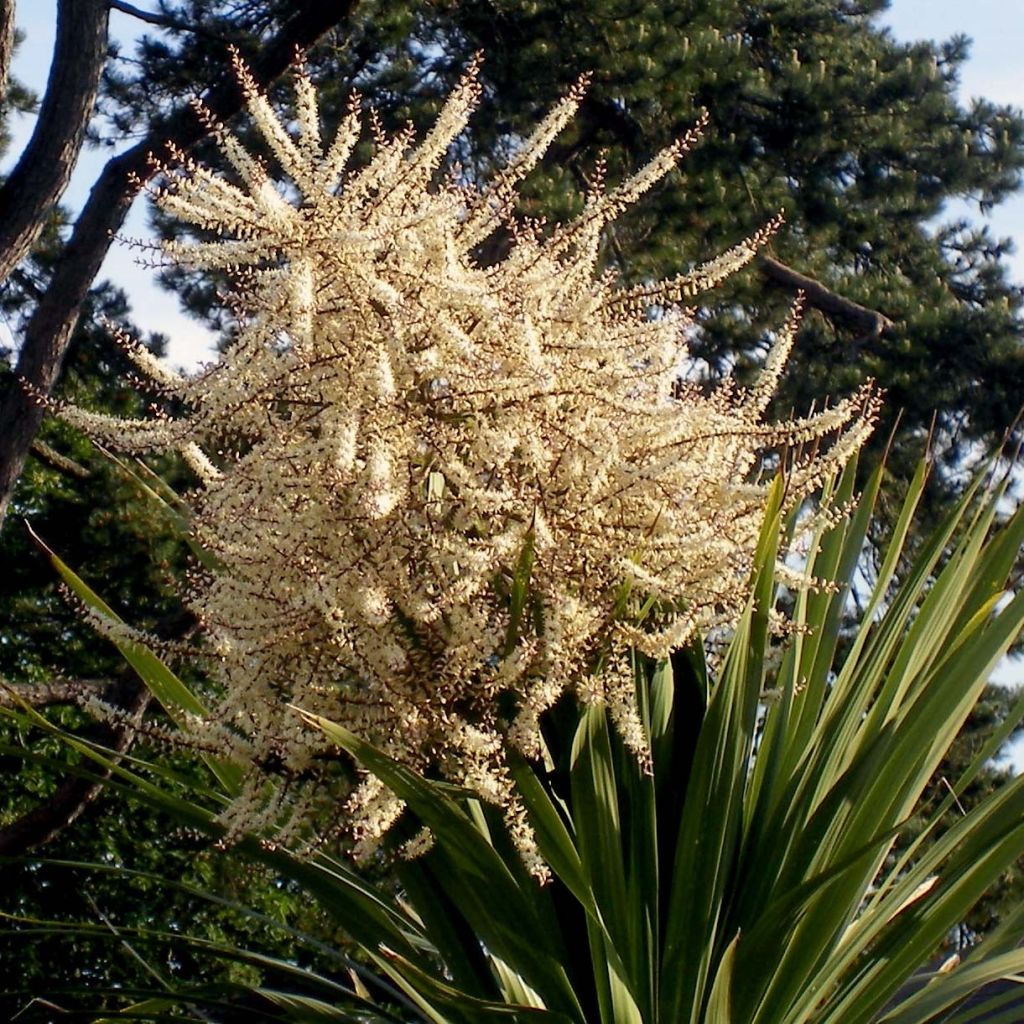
[{"x": 814, "y": 110}]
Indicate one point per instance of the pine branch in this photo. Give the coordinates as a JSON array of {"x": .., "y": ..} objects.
[
  {"x": 24, "y": 281},
  {"x": 162, "y": 20},
  {"x": 150, "y": 17},
  {"x": 869, "y": 322}
]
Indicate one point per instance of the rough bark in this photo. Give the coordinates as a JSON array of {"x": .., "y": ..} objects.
[
  {"x": 44, "y": 168},
  {"x": 49, "y": 330},
  {"x": 6, "y": 44}
]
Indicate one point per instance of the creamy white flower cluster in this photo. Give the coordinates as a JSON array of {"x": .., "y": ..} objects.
[{"x": 445, "y": 492}]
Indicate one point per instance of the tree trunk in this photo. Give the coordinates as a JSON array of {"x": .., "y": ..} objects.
[
  {"x": 50, "y": 328},
  {"x": 6, "y": 44},
  {"x": 42, "y": 174}
]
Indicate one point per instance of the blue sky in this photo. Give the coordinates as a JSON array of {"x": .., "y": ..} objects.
[
  {"x": 997, "y": 27},
  {"x": 995, "y": 70}
]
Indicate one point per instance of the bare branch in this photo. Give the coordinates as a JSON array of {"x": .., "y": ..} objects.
[
  {"x": 150, "y": 17},
  {"x": 868, "y": 321},
  {"x": 160, "y": 20},
  {"x": 6, "y": 44},
  {"x": 44, "y": 169},
  {"x": 53, "y": 458},
  {"x": 55, "y": 691},
  {"x": 73, "y": 796},
  {"x": 49, "y": 331}
]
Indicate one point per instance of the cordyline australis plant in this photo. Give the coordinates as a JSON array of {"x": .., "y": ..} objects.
[
  {"x": 441, "y": 493},
  {"x": 455, "y": 516}
]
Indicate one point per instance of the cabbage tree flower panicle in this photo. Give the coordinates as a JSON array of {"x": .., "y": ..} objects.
[{"x": 442, "y": 491}]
